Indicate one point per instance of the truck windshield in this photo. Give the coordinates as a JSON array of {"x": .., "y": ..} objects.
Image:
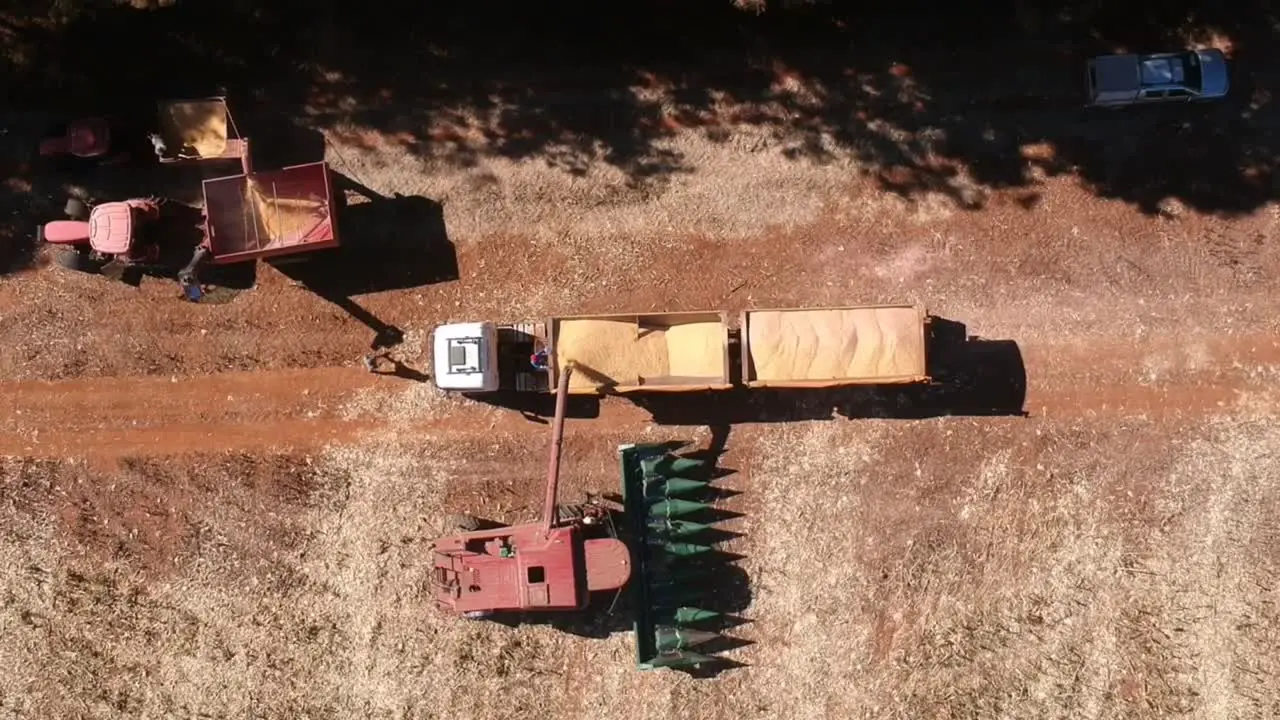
[{"x": 1191, "y": 66}]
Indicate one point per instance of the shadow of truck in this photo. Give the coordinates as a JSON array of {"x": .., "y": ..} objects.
[{"x": 392, "y": 242}]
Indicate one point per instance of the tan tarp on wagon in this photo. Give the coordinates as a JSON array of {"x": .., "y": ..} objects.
[
  {"x": 198, "y": 126},
  {"x": 662, "y": 352},
  {"x": 834, "y": 346}
]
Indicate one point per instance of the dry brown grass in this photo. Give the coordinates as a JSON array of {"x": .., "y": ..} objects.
[
  {"x": 1043, "y": 586},
  {"x": 731, "y": 189},
  {"x": 1064, "y": 575},
  {"x": 332, "y": 619}
]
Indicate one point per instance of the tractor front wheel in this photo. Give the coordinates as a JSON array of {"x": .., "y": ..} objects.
[{"x": 77, "y": 209}]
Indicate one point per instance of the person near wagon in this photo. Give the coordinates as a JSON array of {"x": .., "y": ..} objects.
[{"x": 540, "y": 360}]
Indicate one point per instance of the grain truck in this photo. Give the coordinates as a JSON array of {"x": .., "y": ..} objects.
[{"x": 688, "y": 351}]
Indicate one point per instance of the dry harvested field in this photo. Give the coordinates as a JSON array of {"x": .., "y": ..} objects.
[{"x": 211, "y": 510}]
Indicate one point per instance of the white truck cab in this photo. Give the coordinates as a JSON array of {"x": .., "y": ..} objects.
[{"x": 466, "y": 357}]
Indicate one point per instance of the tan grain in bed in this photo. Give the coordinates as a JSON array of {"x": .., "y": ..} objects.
[
  {"x": 284, "y": 220},
  {"x": 200, "y": 126},
  {"x": 817, "y": 345},
  {"x": 615, "y": 352}
]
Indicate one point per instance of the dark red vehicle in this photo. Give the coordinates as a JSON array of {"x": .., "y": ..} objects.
[
  {"x": 558, "y": 562},
  {"x": 246, "y": 217},
  {"x": 552, "y": 564},
  {"x": 182, "y": 131},
  {"x": 86, "y": 138},
  {"x": 110, "y": 232}
]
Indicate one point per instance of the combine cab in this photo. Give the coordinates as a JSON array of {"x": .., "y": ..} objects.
[{"x": 559, "y": 562}]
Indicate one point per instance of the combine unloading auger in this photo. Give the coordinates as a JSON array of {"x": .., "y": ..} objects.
[{"x": 657, "y": 487}]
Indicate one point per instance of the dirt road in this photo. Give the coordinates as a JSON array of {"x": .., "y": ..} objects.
[{"x": 1162, "y": 378}]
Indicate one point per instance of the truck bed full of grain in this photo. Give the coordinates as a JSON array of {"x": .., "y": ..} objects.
[
  {"x": 834, "y": 346},
  {"x": 627, "y": 353}
]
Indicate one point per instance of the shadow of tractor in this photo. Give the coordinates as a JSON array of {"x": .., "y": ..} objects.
[{"x": 395, "y": 242}]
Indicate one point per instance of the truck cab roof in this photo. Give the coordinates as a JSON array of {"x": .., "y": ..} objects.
[{"x": 465, "y": 357}]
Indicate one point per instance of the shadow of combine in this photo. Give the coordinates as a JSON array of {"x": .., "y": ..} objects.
[
  {"x": 387, "y": 243},
  {"x": 971, "y": 376}
]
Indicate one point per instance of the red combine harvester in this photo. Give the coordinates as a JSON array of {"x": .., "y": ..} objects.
[
  {"x": 554, "y": 564},
  {"x": 558, "y": 562}
]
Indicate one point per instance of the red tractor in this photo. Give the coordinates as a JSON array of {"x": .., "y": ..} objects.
[
  {"x": 113, "y": 232},
  {"x": 553, "y": 564}
]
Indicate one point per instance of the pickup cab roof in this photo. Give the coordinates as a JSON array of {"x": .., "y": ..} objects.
[{"x": 1129, "y": 78}]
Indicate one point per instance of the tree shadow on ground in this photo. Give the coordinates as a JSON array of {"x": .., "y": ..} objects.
[{"x": 959, "y": 99}]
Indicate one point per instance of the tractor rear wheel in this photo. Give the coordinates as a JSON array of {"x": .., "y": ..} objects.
[
  {"x": 462, "y": 523},
  {"x": 77, "y": 260}
]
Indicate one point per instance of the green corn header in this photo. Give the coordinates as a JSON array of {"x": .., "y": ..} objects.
[{"x": 657, "y": 487}]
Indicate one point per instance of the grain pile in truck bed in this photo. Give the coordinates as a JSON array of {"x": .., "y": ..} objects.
[
  {"x": 198, "y": 126},
  {"x": 836, "y": 344},
  {"x": 618, "y": 353},
  {"x": 284, "y": 221}
]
